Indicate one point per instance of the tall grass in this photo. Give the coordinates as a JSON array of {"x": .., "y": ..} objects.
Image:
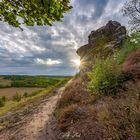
[
  {"x": 17, "y": 97},
  {"x": 2, "y": 101},
  {"x": 130, "y": 45}
]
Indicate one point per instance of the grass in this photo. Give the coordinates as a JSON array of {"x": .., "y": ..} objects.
[
  {"x": 107, "y": 117},
  {"x": 17, "y": 97},
  {"x": 2, "y": 102},
  {"x": 69, "y": 113},
  {"x": 120, "y": 117},
  {"x": 113, "y": 117},
  {"x": 121, "y": 54},
  {"x": 68, "y": 109},
  {"x": 11, "y": 105}
]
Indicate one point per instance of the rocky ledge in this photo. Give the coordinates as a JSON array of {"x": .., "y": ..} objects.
[{"x": 101, "y": 43}]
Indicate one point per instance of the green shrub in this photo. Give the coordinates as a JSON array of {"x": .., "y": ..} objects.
[
  {"x": 77, "y": 75},
  {"x": 3, "y": 98},
  {"x": 105, "y": 77},
  {"x": 25, "y": 95},
  {"x": 17, "y": 97},
  {"x": 2, "y": 101},
  {"x": 130, "y": 45}
]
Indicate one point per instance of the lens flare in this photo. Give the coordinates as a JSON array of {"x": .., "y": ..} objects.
[{"x": 76, "y": 62}]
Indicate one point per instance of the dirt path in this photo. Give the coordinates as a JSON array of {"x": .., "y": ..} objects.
[{"x": 35, "y": 125}]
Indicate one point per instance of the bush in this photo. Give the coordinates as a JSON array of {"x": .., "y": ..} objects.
[
  {"x": 2, "y": 101},
  {"x": 77, "y": 75},
  {"x": 3, "y": 98},
  {"x": 17, "y": 97},
  {"x": 105, "y": 77},
  {"x": 25, "y": 95},
  {"x": 130, "y": 45}
]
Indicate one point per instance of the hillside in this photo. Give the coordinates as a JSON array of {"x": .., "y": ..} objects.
[{"x": 103, "y": 100}]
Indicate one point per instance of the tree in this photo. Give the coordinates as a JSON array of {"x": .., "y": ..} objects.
[
  {"x": 32, "y": 12},
  {"x": 132, "y": 10}
]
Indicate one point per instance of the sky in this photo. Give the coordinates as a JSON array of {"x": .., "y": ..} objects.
[{"x": 52, "y": 50}]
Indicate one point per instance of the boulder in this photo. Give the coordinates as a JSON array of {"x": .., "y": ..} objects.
[{"x": 101, "y": 43}]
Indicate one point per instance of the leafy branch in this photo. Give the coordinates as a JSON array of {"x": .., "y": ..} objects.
[{"x": 33, "y": 12}]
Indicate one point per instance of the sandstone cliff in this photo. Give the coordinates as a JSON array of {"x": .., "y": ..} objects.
[{"x": 101, "y": 43}]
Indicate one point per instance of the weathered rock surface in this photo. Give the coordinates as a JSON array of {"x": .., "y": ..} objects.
[{"x": 101, "y": 43}]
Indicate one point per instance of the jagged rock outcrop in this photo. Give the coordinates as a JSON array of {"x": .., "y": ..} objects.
[{"x": 101, "y": 43}]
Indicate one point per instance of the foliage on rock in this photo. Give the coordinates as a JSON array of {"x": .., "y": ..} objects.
[
  {"x": 107, "y": 74},
  {"x": 102, "y": 43}
]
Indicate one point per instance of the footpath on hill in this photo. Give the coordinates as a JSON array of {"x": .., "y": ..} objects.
[{"x": 37, "y": 123}]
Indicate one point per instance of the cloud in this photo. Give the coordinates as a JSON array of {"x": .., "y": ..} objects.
[
  {"x": 49, "y": 61},
  {"x": 49, "y": 50}
]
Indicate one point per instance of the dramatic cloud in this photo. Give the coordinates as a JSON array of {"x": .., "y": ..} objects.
[
  {"x": 48, "y": 61},
  {"x": 52, "y": 50}
]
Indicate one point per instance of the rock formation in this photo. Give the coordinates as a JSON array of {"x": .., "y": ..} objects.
[{"x": 101, "y": 43}]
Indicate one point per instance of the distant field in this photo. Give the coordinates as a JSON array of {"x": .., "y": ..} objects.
[
  {"x": 5, "y": 82},
  {"x": 18, "y": 91},
  {"x": 12, "y": 84},
  {"x": 30, "y": 81},
  {"x": 9, "y": 92}
]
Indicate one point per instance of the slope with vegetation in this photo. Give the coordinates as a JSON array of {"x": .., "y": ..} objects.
[{"x": 104, "y": 101}]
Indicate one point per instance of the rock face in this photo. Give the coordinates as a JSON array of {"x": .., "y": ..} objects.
[{"x": 101, "y": 43}]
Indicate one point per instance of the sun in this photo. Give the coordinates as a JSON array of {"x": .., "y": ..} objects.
[{"x": 77, "y": 62}]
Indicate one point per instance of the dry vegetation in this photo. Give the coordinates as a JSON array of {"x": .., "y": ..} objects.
[{"x": 81, "y": 115}]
